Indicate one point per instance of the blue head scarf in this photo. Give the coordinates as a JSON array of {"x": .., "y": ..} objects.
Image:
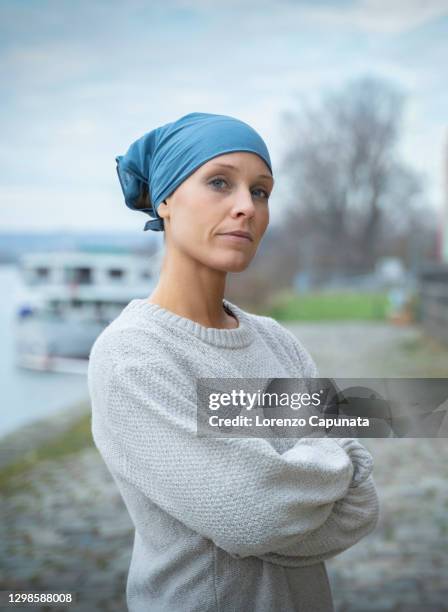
[{"x": 158, "y": 162}]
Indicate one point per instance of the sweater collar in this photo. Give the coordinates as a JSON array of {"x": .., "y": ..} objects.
[{"x": 237, "y": 337}]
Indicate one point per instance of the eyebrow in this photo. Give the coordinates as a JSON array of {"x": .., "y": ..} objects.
[{"x": 268, "y": 176}]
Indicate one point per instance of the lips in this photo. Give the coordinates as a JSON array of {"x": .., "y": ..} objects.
[{"x": 239, "y": 234}]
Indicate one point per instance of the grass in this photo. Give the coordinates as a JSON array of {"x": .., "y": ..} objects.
[
  {"x": 334, "y": 306},
  {"x": 73, "y": 440}
]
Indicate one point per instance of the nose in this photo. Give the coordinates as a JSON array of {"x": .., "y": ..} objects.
[{"x": 243, "y": 203}]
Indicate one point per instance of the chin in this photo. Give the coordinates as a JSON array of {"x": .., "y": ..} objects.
[{"x": 235, "y": 264}]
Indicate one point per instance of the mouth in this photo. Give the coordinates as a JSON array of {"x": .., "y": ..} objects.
[{"x": 239, "y": 237}]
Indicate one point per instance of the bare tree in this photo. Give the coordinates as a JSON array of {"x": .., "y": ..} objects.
[{"x": 348, "y": 182}]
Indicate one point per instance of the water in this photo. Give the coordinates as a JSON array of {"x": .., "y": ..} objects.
[{"x": 28, "y": 395}]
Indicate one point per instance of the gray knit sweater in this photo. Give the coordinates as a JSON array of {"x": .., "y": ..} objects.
[{"x": 221, "y": 524}]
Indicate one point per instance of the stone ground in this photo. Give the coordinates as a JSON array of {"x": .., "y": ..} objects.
[
  {"x": 66, "y": 528},
  {"x": 403, "y": 564}
]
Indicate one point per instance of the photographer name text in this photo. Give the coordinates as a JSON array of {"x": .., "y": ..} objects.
[{"x": 311, "y": 421}]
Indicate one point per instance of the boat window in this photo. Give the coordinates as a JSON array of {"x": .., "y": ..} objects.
[
  {"x": 116, "y": 273},
  {"x": 81, "y": 276},
  {"x": 42, "y": 273}
]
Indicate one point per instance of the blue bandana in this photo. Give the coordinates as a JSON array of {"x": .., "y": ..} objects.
[{"x": 158, "y": 162}]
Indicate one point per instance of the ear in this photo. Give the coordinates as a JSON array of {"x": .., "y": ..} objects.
[{"x": 162, "y": 208}]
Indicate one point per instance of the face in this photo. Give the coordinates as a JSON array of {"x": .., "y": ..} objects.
[{"x": 229, "y": 193}]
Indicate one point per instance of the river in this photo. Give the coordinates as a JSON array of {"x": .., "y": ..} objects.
[{"x": 28, "y": 395}]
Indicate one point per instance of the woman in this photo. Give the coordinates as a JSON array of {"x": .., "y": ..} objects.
[{"x": 221, "y": 524}]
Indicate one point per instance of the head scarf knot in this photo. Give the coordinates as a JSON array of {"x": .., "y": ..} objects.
[{"x": 158, "y": 162}]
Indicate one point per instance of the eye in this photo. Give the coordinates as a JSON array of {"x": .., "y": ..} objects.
[
  {"x": 266, "y": 194},
  {"x": 217, "y": 180},
  {"x": 215, "y": 183}
]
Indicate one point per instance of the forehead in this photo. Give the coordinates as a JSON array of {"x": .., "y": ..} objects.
[{"x": 239, "y": 162}]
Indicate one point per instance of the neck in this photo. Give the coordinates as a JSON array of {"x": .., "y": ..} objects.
[{"x": 192, "y": 290}]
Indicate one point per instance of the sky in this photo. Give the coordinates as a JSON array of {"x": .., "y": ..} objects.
[{"x": 82, "y": 80}]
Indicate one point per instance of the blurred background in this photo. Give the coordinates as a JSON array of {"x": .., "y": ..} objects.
[{"x": 350, "y": 97}]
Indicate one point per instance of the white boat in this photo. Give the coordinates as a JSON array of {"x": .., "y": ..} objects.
[{"x": 69, "y": 298}]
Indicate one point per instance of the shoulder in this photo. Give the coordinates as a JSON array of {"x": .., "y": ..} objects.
[
  {"x": 135, "y": 362},
  {"x": 116, "y": 342},
  {"x": 277, "y": 334},
  {"x": 125, "y": 347},
  {"x": 271, "y": 328}
]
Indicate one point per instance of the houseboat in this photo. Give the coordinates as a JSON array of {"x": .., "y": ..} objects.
[{"x": 69, "y": 297}]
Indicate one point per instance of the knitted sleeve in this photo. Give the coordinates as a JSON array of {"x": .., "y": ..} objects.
[
  {"x": 295, "y": 508},
  {"x": 337, "y": 533}
]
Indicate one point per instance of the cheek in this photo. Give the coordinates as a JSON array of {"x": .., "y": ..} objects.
[
  {"x": 263, "y": 220},
  {"x": 189, "y": 228},
  {"x": 208, "y": 217}
]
